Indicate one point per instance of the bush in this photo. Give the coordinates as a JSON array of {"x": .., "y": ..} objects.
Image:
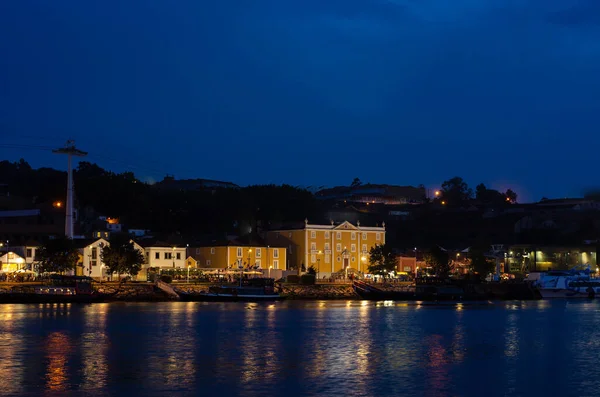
[
  {"x": 165, "y": 278},
  {"x": 307, "y": 279},
  {"x": 293, "y": 278}
]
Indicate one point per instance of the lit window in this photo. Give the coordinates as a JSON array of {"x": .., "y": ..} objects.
[
  {"x": 313, "y": 234},
  {"x": 338, "y": 247},
  {"x": 313, "y": 246},
  {"x": 364, "y": 248},
  {"x": 327, "y": 236},
  {"x": 327, "y": 248},
  {"x": 258, "y": 253},
  {"x": 327, "y": 258},
  {"x": 339, "y": 235},
  {"x": 364, "y": 236},
  {"x": 353, "y": 236},
  {"x": 313, "y": 258},
  {"x": 353, "y": 248},
  {"x": 378, "y": 237},
  {"x": 275, "y": 264}
]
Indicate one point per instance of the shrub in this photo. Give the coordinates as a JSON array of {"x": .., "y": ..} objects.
[
  {"x": 165, "y": 278},
  {"x": 307, "y": 279},
  {"x": 293, "y": 278}
]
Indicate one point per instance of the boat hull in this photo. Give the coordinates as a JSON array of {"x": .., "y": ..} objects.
[
  {"x": 204, "y": 297},
  {"x": 12, "y": 297},
  {"x": 548, "y": 293}
]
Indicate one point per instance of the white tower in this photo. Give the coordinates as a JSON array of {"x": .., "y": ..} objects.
[{"x": 70, "y": 151}]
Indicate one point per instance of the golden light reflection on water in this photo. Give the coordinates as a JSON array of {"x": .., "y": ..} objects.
[
  {"x": 438, "y": 366},
  {"x": 58, "y": 347},
  {"x": 11, "y": 370},
  {"x": 94, "y": 347}
]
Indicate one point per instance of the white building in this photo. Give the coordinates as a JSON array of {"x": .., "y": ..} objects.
[
  {"x": 165, "y": 256},
  {"x": 28, "y": 252},
  {"x": 91, "y": 257},
  {"x": 11, "y": 262}
]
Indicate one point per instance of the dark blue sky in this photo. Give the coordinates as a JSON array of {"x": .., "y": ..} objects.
[{"x": 310, "y": 92}]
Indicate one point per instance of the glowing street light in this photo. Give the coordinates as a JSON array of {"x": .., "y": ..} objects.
[{"x": 437, "y": 193}]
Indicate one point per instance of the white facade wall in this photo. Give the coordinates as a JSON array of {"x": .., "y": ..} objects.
[{"x": 165, "y": 257}]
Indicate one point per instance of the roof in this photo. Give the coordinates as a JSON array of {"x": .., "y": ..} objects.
[{"x": 19, "y": 213}]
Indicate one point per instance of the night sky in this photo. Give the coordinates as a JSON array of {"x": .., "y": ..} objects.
[{"x": 310, "y": 92}]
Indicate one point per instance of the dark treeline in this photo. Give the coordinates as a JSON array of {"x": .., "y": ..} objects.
[{"x": 141, "y": 205}]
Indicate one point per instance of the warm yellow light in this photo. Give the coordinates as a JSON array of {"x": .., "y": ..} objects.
[
  {"x": 250, "y": 250},
  {"x": 270, "y": 267},
  {"x": 507, "y": 199},
  {"x": 57, "y": 204},
  {"x": 320, "y": 252},
  {"x": 437, "y": 192},
  {"x": 364, "y": 259},
  {"x": 443, "y": 203},
  {"x": 458, "y": 254}
]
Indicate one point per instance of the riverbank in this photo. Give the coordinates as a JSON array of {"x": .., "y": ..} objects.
[{"x": 148, "y": 292}]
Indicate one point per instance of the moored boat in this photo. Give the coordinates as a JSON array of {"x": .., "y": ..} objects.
[
  {"x": 249, "y": 290},
  {"x": 58, "y": 289},
  {"x": 566, "y": 284},
  {"x": 426, "y": 292}
]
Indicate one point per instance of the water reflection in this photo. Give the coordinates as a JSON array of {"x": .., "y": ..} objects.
[
  {"x": 299, "y": 348},
  {"x": 58, "y": 348}
]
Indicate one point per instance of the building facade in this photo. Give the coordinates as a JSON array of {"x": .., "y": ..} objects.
[
  {"x": 165, "y": 256},
  {"x": 329, "y": 248},
  {"x": 235, "y": 255}
]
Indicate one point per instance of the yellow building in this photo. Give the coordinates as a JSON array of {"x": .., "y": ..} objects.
[
  {"x": 234, "y": 255},
  {"x": 329, "y": 248}
]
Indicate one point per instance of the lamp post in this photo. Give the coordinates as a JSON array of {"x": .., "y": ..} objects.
[
  {"x": 319, "y": 263},
  {"x": 270, "y": 267},
  {"x": 173, "y": 257},
  {"x": 89, "y": 265},
  {"x": 188, "y": 275}
]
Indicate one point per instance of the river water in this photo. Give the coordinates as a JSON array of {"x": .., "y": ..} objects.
[{"x": 301, "y": 349}]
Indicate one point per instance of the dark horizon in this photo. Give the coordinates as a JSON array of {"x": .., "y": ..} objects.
[{"x": 308, "y": 93}]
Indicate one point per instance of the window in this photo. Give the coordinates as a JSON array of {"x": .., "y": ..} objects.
[
  {"x": 353, "y": 235},
  {"x": 29, "y": 254},
  {"x": 239, "y": 252},
  {"x": 378, "y": 236},
  {"x": 353, "y": 248},
  {"x": 327, "y": 248},
  {"x": 198, "y": 251},
  {"x": 168, "y": 255},
  {"x": 327, "y": 258},
  {"x": 275, "y": 253},
  {"x": 353, "y": 259},
  {"x": 212, "y": 251},
  {"x": 179, "y": 255},
  {"x": 313, "y": 246},
  {"x": 327, "y": 236},
  {"x": 258, "y": 253},
  {"x": 94, "y": 263},
  {"x": 364, "y": 248},
  {"x": 208, "y": 262},
  {"x": 364, "y": 236},
  {"x": 339, "y": 235},
  {"x": 258, "y": 262},
  {"x": 338, "y": 247},
  {"x": 94, "y": 253},
  {"x": 339, "y": 259},
  {"x": 157, "y": 255},
  {"x": 313, "y": 234},
  {"x": 313, "y": 258},
  {"x": 275, "y": 264}
]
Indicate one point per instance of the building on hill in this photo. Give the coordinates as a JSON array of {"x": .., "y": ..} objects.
[
  {"x": 375, "y": 194},
  {"x": 329, "y": 248},
  {"x": 171, "y": 183}
]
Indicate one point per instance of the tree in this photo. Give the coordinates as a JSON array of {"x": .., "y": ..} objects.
[
  {"x": 489, "y": 196},
  {"x": 480, "y": 264},
  {"x": 356, "y": 182},
  {"x": 122, "y": 257},
  {"x": 57, "y": 256},
  {"x": 439, "y": 260},
  {"x": 511, "y": 196},
  {"x": 381, "y": 260},
  {"x": 455, "y": 191},
  {"x": 311, "y": 270}
]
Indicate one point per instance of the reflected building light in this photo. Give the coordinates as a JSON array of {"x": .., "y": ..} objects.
[{"x": 58, "y": 347}]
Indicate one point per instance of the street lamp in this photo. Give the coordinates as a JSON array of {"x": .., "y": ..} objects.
[
  {"x": 188, "y": 276},
  {"x": 319, "y": 263},
  {"x": 173, "y": 257},
  {"x": 270, "y": 267}
]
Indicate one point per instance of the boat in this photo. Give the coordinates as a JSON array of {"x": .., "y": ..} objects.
[
  {"x": 565, "y": 284},
  {"x": 248, "y": 290},
  {"x": 419, "y": 292},
  {"x": 58, "y": 289}
]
